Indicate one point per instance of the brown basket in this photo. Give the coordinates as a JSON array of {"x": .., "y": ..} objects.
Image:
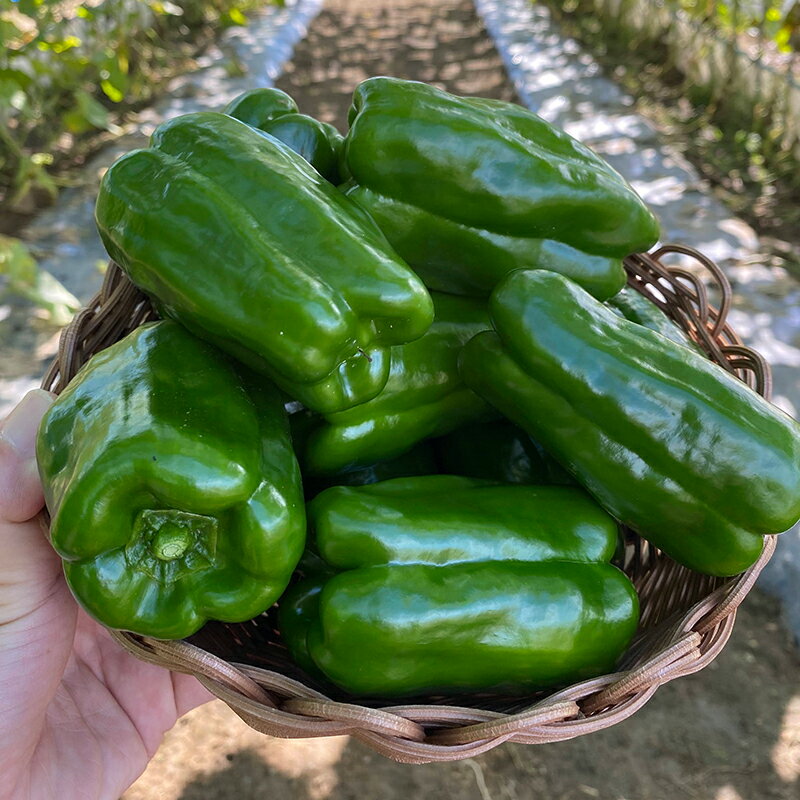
[{"x": 686, "y": 617}]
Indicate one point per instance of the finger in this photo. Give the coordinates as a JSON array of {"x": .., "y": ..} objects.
[
  {"x": 20, "y": 488},
  {"x": 189, "y": 693}
]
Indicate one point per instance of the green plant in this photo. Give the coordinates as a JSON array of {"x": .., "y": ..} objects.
[
  {"x": 23, "y": 278},
  {"x": 68, "y": 70},
  {"x": 742, "y": 146},
  {"x": 777, "y": 21}
]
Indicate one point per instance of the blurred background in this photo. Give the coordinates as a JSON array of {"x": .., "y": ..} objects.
[{"x": 696, "y": 102}]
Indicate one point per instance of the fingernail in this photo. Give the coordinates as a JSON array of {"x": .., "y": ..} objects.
[{"x": 20, "y": 426}]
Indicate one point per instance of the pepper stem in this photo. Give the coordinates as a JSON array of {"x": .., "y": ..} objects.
[{"x": 170, "y": 542}]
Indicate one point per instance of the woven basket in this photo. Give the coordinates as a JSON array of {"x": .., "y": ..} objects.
[{"x": 686, "y": 617}]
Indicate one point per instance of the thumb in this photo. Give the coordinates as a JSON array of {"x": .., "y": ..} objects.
[
  {"x": 20, "y": 489},
  {"x": 37, "y": 619},
  {"x": 29, "y": 565}
]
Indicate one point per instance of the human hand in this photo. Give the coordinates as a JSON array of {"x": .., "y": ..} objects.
[{"x": 79, "y": 716}]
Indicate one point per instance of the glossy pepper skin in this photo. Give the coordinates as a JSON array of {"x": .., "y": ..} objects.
[
  {"x": 634, "y": 306},
  {"x": 461, "y": 259},
  {"x": 297, "y": 612},
  {"x": 240, "y": 240},
  {"x": 449, "y": 519},
  {"x": 446, "y": 584},
  {"x": 173, "y": 490},
  {"x": 498, "y": 451},
  {"x": 469, "y": 189},
  {"x": 275, "y": 112},
  {"x": 666, "y": 441},
  {"x": 423, "y": 397}
]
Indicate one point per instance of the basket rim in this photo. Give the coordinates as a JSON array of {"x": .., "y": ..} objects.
[{"x": 282, "y": 706}]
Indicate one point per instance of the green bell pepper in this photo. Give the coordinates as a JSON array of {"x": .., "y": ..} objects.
[
  {"x": 440, "y": 584},
  {"x": 172, "y": 487},
  {"x": 423, "y": 397},
  {"x": 667, "y": 442},
  {"x": 460, "y": 259},
  {"x": 274, "y": 112},
  {"x": 245, "y": 244},
  {"x": 499, "y": 451},
  {"x": 258, "y": 107},
  {"x": 634, "y": 306},
  {"x": 468, "y": 189},
  {"x": 449, "y": 519},
  {"x": 297, "y": 612}
]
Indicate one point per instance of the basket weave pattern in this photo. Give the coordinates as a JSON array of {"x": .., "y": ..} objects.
[{"x": 685, "y": 622}]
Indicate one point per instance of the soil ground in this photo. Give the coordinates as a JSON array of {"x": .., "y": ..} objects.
[
  {"x": 731, "y": 732},
  {"x": 443, "y": 43}
]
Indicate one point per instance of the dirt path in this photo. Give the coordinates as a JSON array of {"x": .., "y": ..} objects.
[
  {"x": 423, "y": 40},
  {"x": 732, "y": 732}
]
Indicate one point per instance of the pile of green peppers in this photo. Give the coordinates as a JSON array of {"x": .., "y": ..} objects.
[{"x": 399, "y": 389}]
